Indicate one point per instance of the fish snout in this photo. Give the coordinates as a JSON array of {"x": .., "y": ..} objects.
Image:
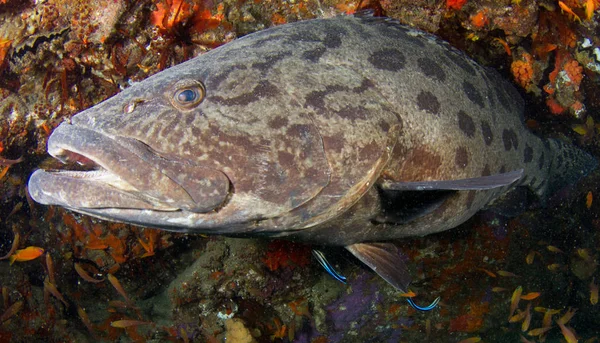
[{"x": 127, "y": 174}]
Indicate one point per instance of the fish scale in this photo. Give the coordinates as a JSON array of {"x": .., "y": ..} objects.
[{"x": 351, "y": 131}]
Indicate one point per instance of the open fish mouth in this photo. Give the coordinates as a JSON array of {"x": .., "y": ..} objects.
[{"x": 124, "y": 173}]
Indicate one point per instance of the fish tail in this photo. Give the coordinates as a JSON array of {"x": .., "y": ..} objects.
[{"x": 568, "y": 164}]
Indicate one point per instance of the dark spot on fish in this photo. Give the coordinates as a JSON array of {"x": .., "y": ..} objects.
[
  {"x": 541, "y": 160},
  {"x": 390, "y": 30},
  {"x": 215, "y": 81},
  {"x": 466, "y": 124},
  {"x": 332, "y": 40},
  {"x": 486, "y": 171},
  {"x": 385, "y": 127},
  {"x": 539, "y": 187},
  {"x": 314, "y": 54},
  {"x": 286, "y": 159},
  {"x": 270, "y": 61},
  {"x": 333, "y": 35},
  {"x": 418, "y": 41},
  {"x": 490, "y": 98},
  {"x": 352, "y": 113},
  {"x": 527, "y": 154},
  {"x": 417, "y": 162},
  {"x": 462, "y": 157},
  {"x": 295, "y": 38},
  {"x": 388, "y": 59},
  {"x": 546, "y": 143},
  {"x": 259, "y": 41},
  {"x": 509, "y": 137},
  {"x": 461, "y": 61},
  {"x": 264, "y": 89},
  {"x": 278, "y": 122},
  {"x": 502, "y": 169},
  {"x": 533, "y": 181},
  {"x": 333, "y": 143},
  {"x": 368, "y": 151},
  {"x": 300, "y": 130},
  {"x": 189, "y": 119},
  {"x": 316, "y": 99},
  {"x": 428, "y": 102},
  {"x": 473, "y": 94},
  {"x": 470, "y": 199},
  {"x": 365, "y": 85},
  {"x": 559, "y": 160},
  {"x": 486, "y": 130},
  {"x": 431, "y": 68},
  {"x": 516, "y": 100}
]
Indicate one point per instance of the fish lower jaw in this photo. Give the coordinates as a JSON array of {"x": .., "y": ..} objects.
[{"x": 98, "y": 175}]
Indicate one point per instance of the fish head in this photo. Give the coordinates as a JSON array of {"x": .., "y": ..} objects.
[{"x": 212, "y": 145}]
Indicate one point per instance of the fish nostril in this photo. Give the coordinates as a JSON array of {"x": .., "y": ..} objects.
[{"x": 130, "y": 106}]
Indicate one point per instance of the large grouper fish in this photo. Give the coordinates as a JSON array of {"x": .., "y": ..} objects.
[{"x": 352, "y": 131}]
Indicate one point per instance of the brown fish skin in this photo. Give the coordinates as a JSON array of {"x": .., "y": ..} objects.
[{"x": 314, "y": 130}]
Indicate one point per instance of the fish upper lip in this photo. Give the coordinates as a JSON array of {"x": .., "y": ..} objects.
[{"x": 128, "y": 174}]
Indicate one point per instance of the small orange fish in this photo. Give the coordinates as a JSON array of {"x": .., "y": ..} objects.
[
  {"x": 593, "y": 292},
  {"x": 538, "y": 331},
  {"x": 487, "y": 272},
  {"x": 554, "y": 249},
  {"x": 409, "y": 294},
  {"x": 588, "y": 199},
  {"x": 117, "y": 285},
  {"x": 15, "y": 245},
  {"x": 547, "y": 321},
  {"x": 514, "y": 300},
  {"x": 5, "y": 295},
  {"x": 506, "y": 274},
  {"x": 125, "y": 323},
  {"x": 567, "y": 333},
  {"x": 567, "y": 316},
  {"x": 567, "y": 9},
  {"x": 584, "y": 254},
  {"x": 529, "y": 258},
  {"x": 11, "y": 311},
  {"x": 499, "y": 289},
  {"x": 51, "y": 288},
  {"x": 471, "y": 340},
  {"x": 50, "y": 267},
  {"x": 530, "y": 296},
  {"x": 527, "y": 321},
  {"x": 84, "y": 275},
  {"x": 590, "y": 7},
  {"x": 504, "y": 45},
  {"x": 554, "y": 267},
  {"x": 543, "y": 310},
  {"x": 27, "y": 254},
  {"x": 85, "y": 319},
  {"x": 517, "y": 317}
]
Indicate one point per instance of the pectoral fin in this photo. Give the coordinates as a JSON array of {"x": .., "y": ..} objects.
[
  {"x": 403, "y": 202},
  {"x": 475, "y": 183},
  {"x": 385, "y": 260}
]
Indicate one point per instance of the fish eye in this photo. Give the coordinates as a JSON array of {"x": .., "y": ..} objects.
[{"x": 188, "y": 96}]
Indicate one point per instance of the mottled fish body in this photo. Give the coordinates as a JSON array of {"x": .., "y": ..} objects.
[{"x": 342, "y": 131}]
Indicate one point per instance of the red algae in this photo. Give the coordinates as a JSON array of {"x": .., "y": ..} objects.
[
  {"x": 455, "y": 4},
  {"x": 286, "y": 254}
]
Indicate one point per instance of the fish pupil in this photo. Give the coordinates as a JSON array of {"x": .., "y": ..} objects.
[{"x": 187, "y": 95}]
